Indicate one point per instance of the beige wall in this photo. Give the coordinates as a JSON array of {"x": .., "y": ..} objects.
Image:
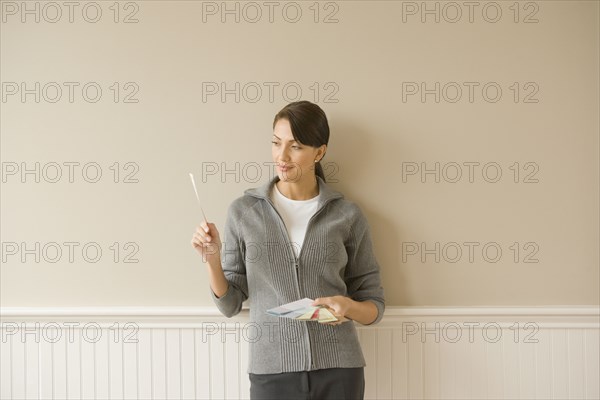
[{"x": 365, "y": 67}]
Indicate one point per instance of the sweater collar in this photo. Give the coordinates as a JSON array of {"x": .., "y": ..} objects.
[{"x": 326, "y": 192}]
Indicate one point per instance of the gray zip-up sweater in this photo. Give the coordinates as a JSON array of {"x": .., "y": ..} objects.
[{"x": 259, "y": 263}]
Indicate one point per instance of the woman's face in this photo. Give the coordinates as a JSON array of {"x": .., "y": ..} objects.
[{"x": 295, "y": 162}]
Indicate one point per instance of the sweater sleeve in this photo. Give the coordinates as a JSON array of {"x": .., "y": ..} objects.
[
  {"x": 362, "y": 271},
  {"x": 234, "y": 268}
]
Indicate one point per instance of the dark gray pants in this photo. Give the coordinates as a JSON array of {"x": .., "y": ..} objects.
[{"x": 321, "y": 384}]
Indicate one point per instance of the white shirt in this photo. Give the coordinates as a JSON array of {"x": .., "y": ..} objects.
[{"x": 295, "y": 215}]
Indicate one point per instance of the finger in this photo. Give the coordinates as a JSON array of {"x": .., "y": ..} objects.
[
  {"x": 320, "y": 301},
  {"x": 205, "y": 236},
  {"x": 333, "y": 310},
  {"x": 340, "y": 317},
  {"x": 199, "y": 237},
  {"x": 198, "y": 243},
  {"x": 213, "y": 229},
  {"x": 196, "y": 239},
  {"x": 205, "y": 226}
]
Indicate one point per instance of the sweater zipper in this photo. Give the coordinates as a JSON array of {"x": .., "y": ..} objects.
[
  {"x": 297, "y": 259},
  {"x": 296, "y": 262}
]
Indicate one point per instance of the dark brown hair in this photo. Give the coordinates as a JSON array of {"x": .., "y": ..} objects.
[{"x": 309, "y": 126}]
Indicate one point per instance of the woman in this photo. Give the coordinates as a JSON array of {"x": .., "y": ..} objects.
[{"x": 295, "y": 237}]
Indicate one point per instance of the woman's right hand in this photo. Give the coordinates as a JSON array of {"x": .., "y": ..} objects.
[{"x": 207, "y": 242}]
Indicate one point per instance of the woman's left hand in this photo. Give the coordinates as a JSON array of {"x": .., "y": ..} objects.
[{"x": 338, "y": 305}]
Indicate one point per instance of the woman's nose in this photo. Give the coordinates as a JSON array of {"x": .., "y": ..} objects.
[{"x": 283, "y": 155}]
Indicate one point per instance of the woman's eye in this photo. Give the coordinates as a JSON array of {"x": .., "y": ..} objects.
[{"x": 293, "y": 147}]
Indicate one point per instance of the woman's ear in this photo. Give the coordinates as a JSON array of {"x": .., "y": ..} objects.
[{"x": 321, "y": 152}]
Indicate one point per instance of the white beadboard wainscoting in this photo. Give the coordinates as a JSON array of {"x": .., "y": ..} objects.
[{"x": 196, "y": 353}]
